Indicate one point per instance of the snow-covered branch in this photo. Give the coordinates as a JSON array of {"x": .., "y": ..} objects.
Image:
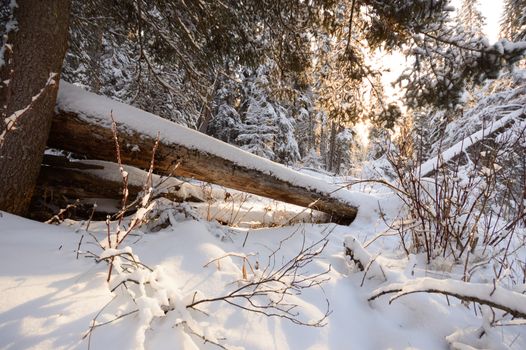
[
  {"x": 12, "y": 120},
  {"x": 483, "y": 293},
  {"x": 362, "y": 259}
]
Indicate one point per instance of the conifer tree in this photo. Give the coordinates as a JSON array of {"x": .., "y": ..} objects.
[
  {"x": 33, "y": 38},
  {"x": 471, "y": 18},
  {"x": 513, "y": 25}
]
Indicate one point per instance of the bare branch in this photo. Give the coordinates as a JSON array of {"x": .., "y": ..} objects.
[{"x": 482, "y": 293}]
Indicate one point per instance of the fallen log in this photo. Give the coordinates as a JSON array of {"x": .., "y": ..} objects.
[
  {"x": 80, "y": 184},
  {"x": 476, "y": 142},
  {"x": 83, "y": 125},
  {"x": 92, "y": 178},
  {"x": 62, "y": 182}
]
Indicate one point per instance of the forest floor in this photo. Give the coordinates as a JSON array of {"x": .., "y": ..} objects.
[{"x": 54, "y": 294}]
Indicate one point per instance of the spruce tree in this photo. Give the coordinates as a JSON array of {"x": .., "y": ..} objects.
[
  {"x": 471, "y": 18},
  {"x": 513, "y": 25},
  {"x": 34, "y": 41}
]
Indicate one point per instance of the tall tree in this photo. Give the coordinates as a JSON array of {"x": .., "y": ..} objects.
[
  {"x": 177, "y": 58},
  {"x": 471, "y": 18},
  {"x": 35, "y": 41},
  {"x": 267, "y": 130},
  {"x": 513, "y": 25},
  {"x": 168, "y": 56}
]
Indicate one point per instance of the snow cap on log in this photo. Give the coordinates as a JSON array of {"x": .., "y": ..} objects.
[{"x": 83, "y": 125}]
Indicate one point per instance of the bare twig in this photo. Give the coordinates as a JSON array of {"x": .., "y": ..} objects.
[
  {"x": 205, "y": 340},
  {"x": 276, "y": 284}
]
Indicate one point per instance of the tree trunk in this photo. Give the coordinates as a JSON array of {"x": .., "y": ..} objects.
[
  {"x": 33, "y": 57},
  {"x": 82, "y": 125}
]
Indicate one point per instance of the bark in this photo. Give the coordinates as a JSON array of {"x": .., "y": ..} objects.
[
  {"x": 33, "y": 60},
  {"x": 62, "y": 182},
  {"x": 332, "y": 148},
  {"x": 91, "y": 139}
]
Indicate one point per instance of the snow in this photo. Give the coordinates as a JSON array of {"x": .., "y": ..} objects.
[
  {"x": 480, "y": 291},
  {"x": 429, "y": 165},
  {"x": 11, "y": 121},
  {"x": 49, "y": 297},
  {"x": 97, "y": 108},
  {"x": 55, "y": 295}
]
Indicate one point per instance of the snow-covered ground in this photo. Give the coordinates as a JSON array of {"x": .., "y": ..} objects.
[{"x": 51, "y": 291}]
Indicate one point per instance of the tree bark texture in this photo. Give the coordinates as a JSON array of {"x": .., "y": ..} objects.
[
  {"x": 33, "y": 57},
  {"x": 62, "y": 182}
]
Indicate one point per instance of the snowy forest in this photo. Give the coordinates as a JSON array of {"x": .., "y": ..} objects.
[{"x": 263, "y": 174}]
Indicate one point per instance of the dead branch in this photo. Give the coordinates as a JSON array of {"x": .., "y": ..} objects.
[
  {"x": 486, "y": 294},
  {"x": 191, "y": 331},
  {"x": 266, "y": 293}
]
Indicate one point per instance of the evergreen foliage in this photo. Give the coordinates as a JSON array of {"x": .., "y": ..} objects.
[
  {"x": 513, "y": 25},
  {"x": 282, "y": 79},
  {"x": 471, "y": 18}
]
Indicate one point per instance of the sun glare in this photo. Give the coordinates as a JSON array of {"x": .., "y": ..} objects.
[{"x": 362, "y": 130}]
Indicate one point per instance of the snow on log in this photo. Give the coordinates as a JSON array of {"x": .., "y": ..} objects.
[
  {"x": 100, "y": 179},
  {"x": 83, "y": 125},
  {"x": 483, "y": 293},
  {"x": 465, "y": 145},
  {"x": 62, "y": 182}
]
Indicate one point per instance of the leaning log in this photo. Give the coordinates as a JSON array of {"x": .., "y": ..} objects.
[
  {"x": 83, "y": 125},
  {"x": 477, "y": 142}
]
